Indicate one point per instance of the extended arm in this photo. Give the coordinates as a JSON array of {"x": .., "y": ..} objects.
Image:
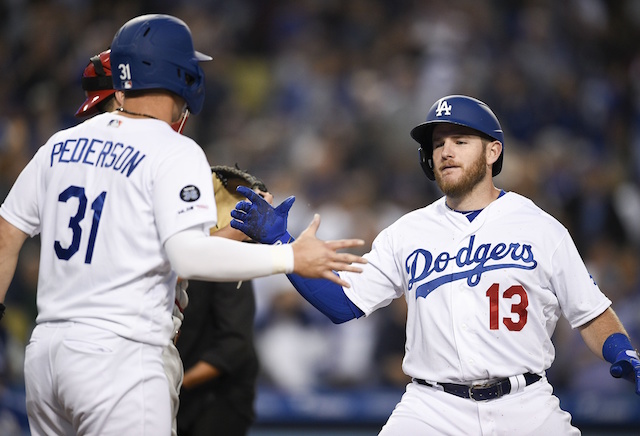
[
  {"x": 326, "y": 296},
  {"x": 11, "y": 240},
  {"x": 266, "y": 224},
  {"x": 606, "y": 337},
  {"x": 194, "y": 255}
]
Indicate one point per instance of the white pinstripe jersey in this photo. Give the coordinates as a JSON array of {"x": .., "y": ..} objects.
[
  {"x": 105, "y": 195},
  {"x": 483, "y": 296}
]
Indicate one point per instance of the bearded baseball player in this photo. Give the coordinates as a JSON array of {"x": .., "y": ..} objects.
[
  {"x": 486, "y": 274},
  {"x": 124, "y": 205}
]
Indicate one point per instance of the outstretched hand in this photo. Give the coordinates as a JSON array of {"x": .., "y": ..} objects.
[
  {"x": 627, "y": 366},
  {"x": 315, "y": 258},
  {"x": 259, "y": 220}
]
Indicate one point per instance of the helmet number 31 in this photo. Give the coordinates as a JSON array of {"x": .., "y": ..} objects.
[
  {"x": 125, "y": 76},
  {"x": 125, "y": 72}
]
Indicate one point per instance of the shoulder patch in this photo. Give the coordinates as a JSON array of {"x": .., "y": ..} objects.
[{"x": 189, "y": 193}]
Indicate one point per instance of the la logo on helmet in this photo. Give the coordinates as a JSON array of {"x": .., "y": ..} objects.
[{"x": 443, "y": 106}]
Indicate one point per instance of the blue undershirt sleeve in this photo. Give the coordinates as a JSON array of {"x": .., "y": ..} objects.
[{"x": 326, "y": 296}]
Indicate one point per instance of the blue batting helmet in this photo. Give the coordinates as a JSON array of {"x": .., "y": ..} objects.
[
  {"x": 156, "y": 52},
  {"x": 461, "y": 110}
]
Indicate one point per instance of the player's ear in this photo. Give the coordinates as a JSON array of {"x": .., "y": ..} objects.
[
  {"x": 493, "y": 151},
  {"x": 119, "y": 96}
]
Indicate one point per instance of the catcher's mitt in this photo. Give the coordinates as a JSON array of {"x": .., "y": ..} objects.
[{"x": 225, "y": 181}]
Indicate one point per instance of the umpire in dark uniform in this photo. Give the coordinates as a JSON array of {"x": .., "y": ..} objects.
[{"x": 221, "y": 365}]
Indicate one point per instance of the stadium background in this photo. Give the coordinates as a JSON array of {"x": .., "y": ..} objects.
[{"x": 318, "y": 97}]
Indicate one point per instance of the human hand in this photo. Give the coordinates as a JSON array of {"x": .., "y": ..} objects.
[
  {"x": 259, "y": 220},
  {"x": 229, "y": 232},
  {"x": 627, "y": 366},
  {"x": 315, "y": 258},
  {"x": 226, "y": 179}
]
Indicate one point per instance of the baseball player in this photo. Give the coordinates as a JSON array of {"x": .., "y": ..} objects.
[
  {"x": 100, "y": 98},
  {"x": 123, "y": 205},
  {"x": 486, "y": 274}
]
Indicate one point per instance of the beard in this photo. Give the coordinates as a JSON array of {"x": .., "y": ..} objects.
[{"x": 468, "y": 180}]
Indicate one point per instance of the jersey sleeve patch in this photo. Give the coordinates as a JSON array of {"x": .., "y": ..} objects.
[{"x": 189, "y": 193}]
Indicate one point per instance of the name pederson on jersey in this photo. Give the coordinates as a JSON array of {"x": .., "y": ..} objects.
[
  {"x": 105, "y": 196},
  {"x": 484, "y": 296}
]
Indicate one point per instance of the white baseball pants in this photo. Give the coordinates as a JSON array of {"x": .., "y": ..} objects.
[{"x": 82, "y": 380}]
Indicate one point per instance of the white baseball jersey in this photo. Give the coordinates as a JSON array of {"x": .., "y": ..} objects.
[
  {"x": 105, "y": 195},
  {"x": 483, "y": 296}
]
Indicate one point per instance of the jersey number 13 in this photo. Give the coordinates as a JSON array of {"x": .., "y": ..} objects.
[{"x": 517, "y": 309}]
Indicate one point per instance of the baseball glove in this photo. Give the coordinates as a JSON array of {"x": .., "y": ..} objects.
[{"x": 225, "y": 181}]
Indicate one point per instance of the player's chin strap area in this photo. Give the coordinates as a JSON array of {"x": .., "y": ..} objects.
[
  {"x": 178, "y": 126},
  {"x": 484, "y": 392}
]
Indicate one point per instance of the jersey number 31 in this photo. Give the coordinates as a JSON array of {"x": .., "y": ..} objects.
[{"x": 74, "y": 223}]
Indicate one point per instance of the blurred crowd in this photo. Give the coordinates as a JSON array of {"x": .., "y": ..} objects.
[{"x": 317, "y": 97}]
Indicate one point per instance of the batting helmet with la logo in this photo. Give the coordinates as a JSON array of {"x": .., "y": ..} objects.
[
  {"x": 443, "y": 108},
  {"x": 461, "y": 110}
]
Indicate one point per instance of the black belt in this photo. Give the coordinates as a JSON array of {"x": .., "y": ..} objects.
[{"x": 481, "y": 392}]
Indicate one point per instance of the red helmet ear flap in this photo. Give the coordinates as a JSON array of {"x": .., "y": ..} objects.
[
  {"x": 96, "y": 83},
  {"x": 97, "y": 75},
  {"x": 91, "y": 104}
]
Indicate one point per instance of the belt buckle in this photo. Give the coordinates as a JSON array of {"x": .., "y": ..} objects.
[
  {"x": 487, "y": 395},
  {"x": 471, "y": 392}
]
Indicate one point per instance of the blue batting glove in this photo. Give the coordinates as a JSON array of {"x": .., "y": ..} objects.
[
  {"x": 624, "y": 360},
  {"x": 259, "y": 220},
  {"x": 627, "y": 366}
]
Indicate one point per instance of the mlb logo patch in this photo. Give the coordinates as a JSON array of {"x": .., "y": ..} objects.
[
  {"x": 128, "y": 84},
  {"x": 114, "y": 123}
]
